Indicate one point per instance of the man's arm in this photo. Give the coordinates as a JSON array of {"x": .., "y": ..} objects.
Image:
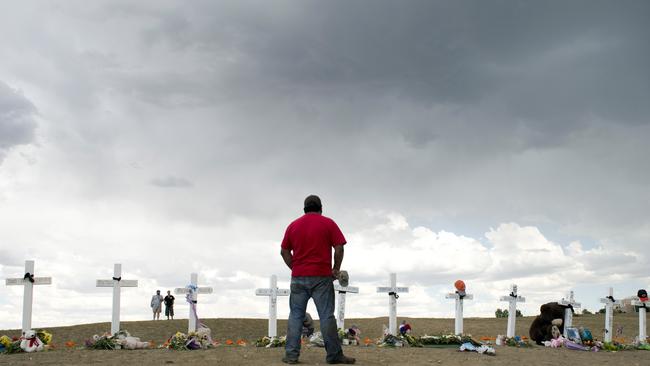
[
  {"x": 286, "y": 255},
  {"x": 338, "y": 260}
]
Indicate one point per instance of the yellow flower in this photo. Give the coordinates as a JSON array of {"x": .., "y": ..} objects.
[
  {"x": 44, "y": 336},
  {"x": 5, "y": 341}
]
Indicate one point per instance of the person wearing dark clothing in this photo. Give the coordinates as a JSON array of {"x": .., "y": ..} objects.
[{"x": 169, "y": 305}]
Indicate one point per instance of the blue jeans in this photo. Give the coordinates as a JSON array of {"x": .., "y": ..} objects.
[{"x": 321, "y": 289}]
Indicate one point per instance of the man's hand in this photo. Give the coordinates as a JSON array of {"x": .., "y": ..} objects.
[
  {"x": 338, "y": 259},
  {"x": 286, "y": 255}
]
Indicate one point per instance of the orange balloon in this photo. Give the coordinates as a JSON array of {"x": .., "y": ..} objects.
[{"x": 460, "y": 285}]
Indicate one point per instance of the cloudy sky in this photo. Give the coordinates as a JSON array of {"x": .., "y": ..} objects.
[{"x": 497, "y": 142}]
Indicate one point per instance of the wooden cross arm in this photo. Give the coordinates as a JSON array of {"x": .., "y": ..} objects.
[
  {"x": 607, "y": 300},
  {"x": 392, "y": 289},
  {"x": 200, "y": 290},
  {"x": 457, "y": 296},
  {"x": 354, "y": 290},
  {"x": 269, "y": 292},
  {"x": 567, "y": 303},
  {"x": 122, "y": 283},
  {"x": 23, "y": 281},
  {"x": 510, "y": 298}
]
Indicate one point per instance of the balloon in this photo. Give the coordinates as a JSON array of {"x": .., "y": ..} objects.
[{"x": 460, "y": 285}]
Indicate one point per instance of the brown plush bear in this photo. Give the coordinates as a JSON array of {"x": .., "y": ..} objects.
[{"x": 542, "y": 327}]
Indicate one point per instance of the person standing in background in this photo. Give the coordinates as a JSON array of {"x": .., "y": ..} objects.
[
  {"x": 169, "y": 305},
  {"x": 156, "y": 304}
]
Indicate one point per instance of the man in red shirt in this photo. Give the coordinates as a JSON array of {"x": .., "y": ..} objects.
[{"x": 307, "y": 251}]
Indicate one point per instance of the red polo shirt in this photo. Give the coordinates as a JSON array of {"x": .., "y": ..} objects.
[{"x": 311, "y": 239}]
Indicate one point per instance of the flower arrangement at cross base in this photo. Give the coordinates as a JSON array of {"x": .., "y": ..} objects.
[
  {"x": 191, "y": 341},
  {"x": 271, "y": 342},
  {"x": 9, "y": 345},
  {"x": 350, "y": 336},
  {"x": 409, "y": 340},
  {"x": 119, "y": 340},
  {"x": 31, "y": 341},
  {"x": 515, "y": 341}
]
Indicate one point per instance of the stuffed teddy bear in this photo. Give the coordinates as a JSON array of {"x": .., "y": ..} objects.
[
  {"x": 30, "y": 342},
  {"x": 129, "y": 342},
  {"x": 204, "y": 333},
  {"x": 542, "y": 328}
]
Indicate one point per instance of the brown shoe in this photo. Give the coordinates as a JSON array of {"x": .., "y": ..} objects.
[
  {"x": 343, "y": 360},
  {"x": 291, "y": 361}
]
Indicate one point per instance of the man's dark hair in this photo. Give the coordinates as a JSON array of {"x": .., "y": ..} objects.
[{"x": 312, "y": 204}]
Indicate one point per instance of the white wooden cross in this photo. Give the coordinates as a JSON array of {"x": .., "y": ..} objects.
[
  {"x": 392, "y": 291},
  {"x": 116, "y": 283},
  {"x": 609, "y": 314},
  {"x": 272, "y": 292},
  {"x": 28, "y": 281},
  {"x": 458, "y": 323},
  {"x": 340, "y": 314},
  {"x": 191, "y": 291},
  {"x": 568, "y": 312},
  {"x": 512, "y": 299},
  {"x": 643, "y": 334}
]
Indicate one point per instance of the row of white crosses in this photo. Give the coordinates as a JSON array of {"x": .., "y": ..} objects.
[
  {"x": 513, "y": 298},
  {"x": 570, "y": 303},
  {"x": 273, "y": 292},
  {"x": 29, "y": 280},
  {"x": 192, "y": 291}
]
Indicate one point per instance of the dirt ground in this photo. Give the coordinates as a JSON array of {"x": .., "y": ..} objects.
[{"x": 251, "y": 329}]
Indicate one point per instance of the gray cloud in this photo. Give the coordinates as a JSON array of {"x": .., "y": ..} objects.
[
  {"x": 480, "y": 111},
  {"x": 17, "y": 123},
  {"x": 171, "y": 182}
]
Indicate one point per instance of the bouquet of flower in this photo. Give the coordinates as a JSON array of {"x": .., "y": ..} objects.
[
  {"x": 5, "y": 341},
  {"x": 342, "y": 334},
  {"x": 616, "y": 346},
  {"x": 412, "y": 341},
  {"x": 516, "y": 341},
  {"x": 390, "y": 340},
  {"x": 104, "y": 341},
  {"x": 9, "y": 345},
  {"x": 446, "y": 339},
  {"x": 44, "y": 336},
  {"x": 176, "y": 342},
  {"x": 271, "y": 342},
  {"x": 191, "y": 341}
]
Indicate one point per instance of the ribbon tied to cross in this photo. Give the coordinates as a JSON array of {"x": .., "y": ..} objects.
[{"x": 29, "y": 277}]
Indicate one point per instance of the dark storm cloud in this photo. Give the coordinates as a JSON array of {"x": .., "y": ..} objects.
[
  {"x": 460, "y": 111},
  {"x": 17, "y": 122},
  {"x": 551, "y": 64}
]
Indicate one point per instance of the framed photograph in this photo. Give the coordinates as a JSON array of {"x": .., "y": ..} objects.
[{"x": 573, "y": 334}]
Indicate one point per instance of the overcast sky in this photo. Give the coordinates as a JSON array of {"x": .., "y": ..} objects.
[{"x": 497, "y": 142}]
